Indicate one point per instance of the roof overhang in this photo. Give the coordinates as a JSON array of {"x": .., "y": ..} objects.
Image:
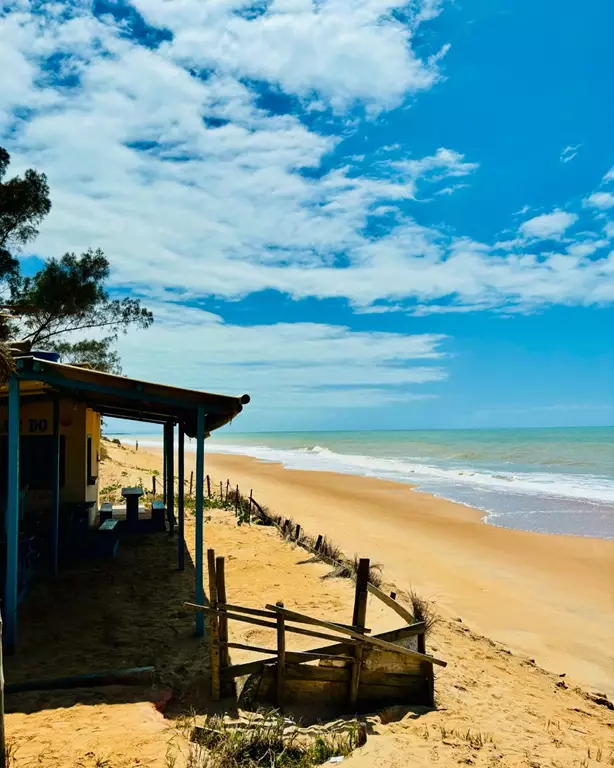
[{"x": 122, "y": 397}]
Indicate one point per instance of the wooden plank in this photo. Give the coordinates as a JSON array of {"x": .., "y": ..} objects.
[
  {"x": 254, "y": 648},
  {"x": 375, "y": 660},
  {"x": 281, "y": 658},
  {"x": 214, "y": 641},
  {"x": 298, "y": 657},
  {"x": 298, "y": 617},
  {"x": 391, "y": 603},
  {"x": 268, "y": 624},
  {"x": 249, "y": 668},
  {"x": 322, "y": 674},
  {"x": 359, "y": 620},
  {"x": 250, "y": 611},
  {"x": 220, "y": 582}
]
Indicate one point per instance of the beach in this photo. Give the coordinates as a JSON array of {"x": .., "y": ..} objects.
[
  {"x": 547, "y": 596},
  {"x": 495, "y": 705}
]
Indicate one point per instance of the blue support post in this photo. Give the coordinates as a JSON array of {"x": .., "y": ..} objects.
[
  {"x": 198, "y": 555},
  {"x": 55, "y": 488},
  {"x": 12, "y": 520},
  {"x": 181, "y": 502},
  {"x": 170, "y": 475},
  {"x": 164, "y": 459}
]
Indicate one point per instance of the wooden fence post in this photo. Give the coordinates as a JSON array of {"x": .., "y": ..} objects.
[
  {"x": 227, "y": 488},
  {"x": 237, "y": 500},
  {"x": 208, "y": 487},
  {"x": 221, "y": 492},
  {"x": 220, "y": 582},
  {"x": 359, "y": 621},
  {"x": 191, "y": 482},
  {"x": 393, "y": 595},
  {"x": 251, "y": 499},
  {"x": 281, "y": 658},
  {"x": 214, "y": 638},
  {"x": 153, "y": 480},
  {"x": 319, "y": 543},
  {"x": 298, "y": 532},
  {"x": 2, "y": 738}
]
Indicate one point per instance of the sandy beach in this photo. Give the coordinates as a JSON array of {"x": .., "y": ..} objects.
[
  {"x": 549, "y": 597},
  {"x": 494, "y": 706}
]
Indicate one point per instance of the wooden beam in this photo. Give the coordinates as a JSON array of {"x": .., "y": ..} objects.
[
  {"x": 298, "y": 617},
  {"x": 269, "y": 624},
  {"x": 220, "y": 580},
  {"x": 254, "y": 648},
  {"x": 181, "y": 497},
  {"x": 391, "y": 603},
  {"x": 358, "y": 620},
  {"x": 199, "y": 506},
  {"x": 281, "y": 658},
  {"x": 214, "y": 639}
]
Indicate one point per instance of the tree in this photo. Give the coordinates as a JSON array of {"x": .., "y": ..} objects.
[
  {"x": 24, "y": 203},
  {"x": 67, "y": 297}
]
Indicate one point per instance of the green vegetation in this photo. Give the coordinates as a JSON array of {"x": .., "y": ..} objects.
[
  {"x": 266, "y": 742},
  {"x": 67, "y": 294}
]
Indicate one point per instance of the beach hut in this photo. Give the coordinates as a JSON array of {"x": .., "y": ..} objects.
[{"x": 50, "y": 417}]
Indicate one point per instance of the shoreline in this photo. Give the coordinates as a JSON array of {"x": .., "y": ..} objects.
[
  {"x": 555, "y": 503},
  {"x": 548, "y": 596}
]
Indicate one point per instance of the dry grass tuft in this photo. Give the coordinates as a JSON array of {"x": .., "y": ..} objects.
[
  {"x": 269, "y": 741},
  {"x": 423, "y": 610}
]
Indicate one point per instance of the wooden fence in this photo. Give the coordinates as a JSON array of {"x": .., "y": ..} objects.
[{"x": 355, "y": 671}]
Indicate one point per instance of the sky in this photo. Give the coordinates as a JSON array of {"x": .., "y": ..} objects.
[{"x": 367, "y": 214}]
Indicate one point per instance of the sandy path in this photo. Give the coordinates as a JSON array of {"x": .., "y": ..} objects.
[{"x": 550, "y": 597}]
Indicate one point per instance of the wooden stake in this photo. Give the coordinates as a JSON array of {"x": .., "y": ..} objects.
[
  {"x": 393, "y": 595},
  {"x": 192, "y": 481},
  {"x": 153, "y": 480},
  {"x": 237, "y": 499},
  {"x": 359, "y": 621},
  {"x": 227, "y": 487},
  {"x": 319, "y": 543},
  {"x": 220, "y": 581},
  {"x": 281, "y": 658},
  {"x": 298, "y": 532},
  {"x": 208, "y": 487},
  {"x": 221, "y": 492},
  {"x": 214, "y": 628}
]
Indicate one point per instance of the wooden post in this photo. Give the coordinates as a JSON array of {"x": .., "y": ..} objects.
[
  {"x": 237, "y": 500},
  {"x": 393, "y": 595},
  {"x": 281, "y": 658},
  {"x": 359, "y": 621},
  {"x": 153, "y": 483},
  {"x": 227, "y": 488},
  {"x": 251, "y": 499},
  {"x": 181, "y": 497},
  {"x": 220, "y": 583},
  {"x": 192, "y": 481},
  {"x": 208, "y": 486},
  {"x": 2, "y": 739},
  {"x": 221, "y": 492},
  {"x": 55, "y": 487},
  {"x": 198, "y": 510},
  {"x": 298, "y": 532},
  {"x": 319, "y": 543},
  {"x": 214, "y": 638}
]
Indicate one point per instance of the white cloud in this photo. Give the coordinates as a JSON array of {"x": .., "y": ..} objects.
[
  {"x": 568, "y": 153},
  {"x": 548, "y": 225},
  {"x": 609, "y": 175},
  {"x": 600, "y": 200},
  {"x": 285, "y": 365},
  {"x": 191, "y": 187}
]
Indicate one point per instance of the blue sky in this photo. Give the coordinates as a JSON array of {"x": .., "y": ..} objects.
[{"x": 365, "y": 214}]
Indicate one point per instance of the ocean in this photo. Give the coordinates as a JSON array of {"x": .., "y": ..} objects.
[{"x": 548, "y": 480}]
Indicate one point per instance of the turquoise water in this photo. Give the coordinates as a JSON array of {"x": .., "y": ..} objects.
[{"x": 549, "y": 480}]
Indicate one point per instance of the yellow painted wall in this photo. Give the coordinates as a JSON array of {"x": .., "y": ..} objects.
[{"x": 76, "y": 423}]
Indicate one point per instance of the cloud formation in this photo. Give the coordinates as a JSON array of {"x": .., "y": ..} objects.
[{"x": 190, "y": 153}]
